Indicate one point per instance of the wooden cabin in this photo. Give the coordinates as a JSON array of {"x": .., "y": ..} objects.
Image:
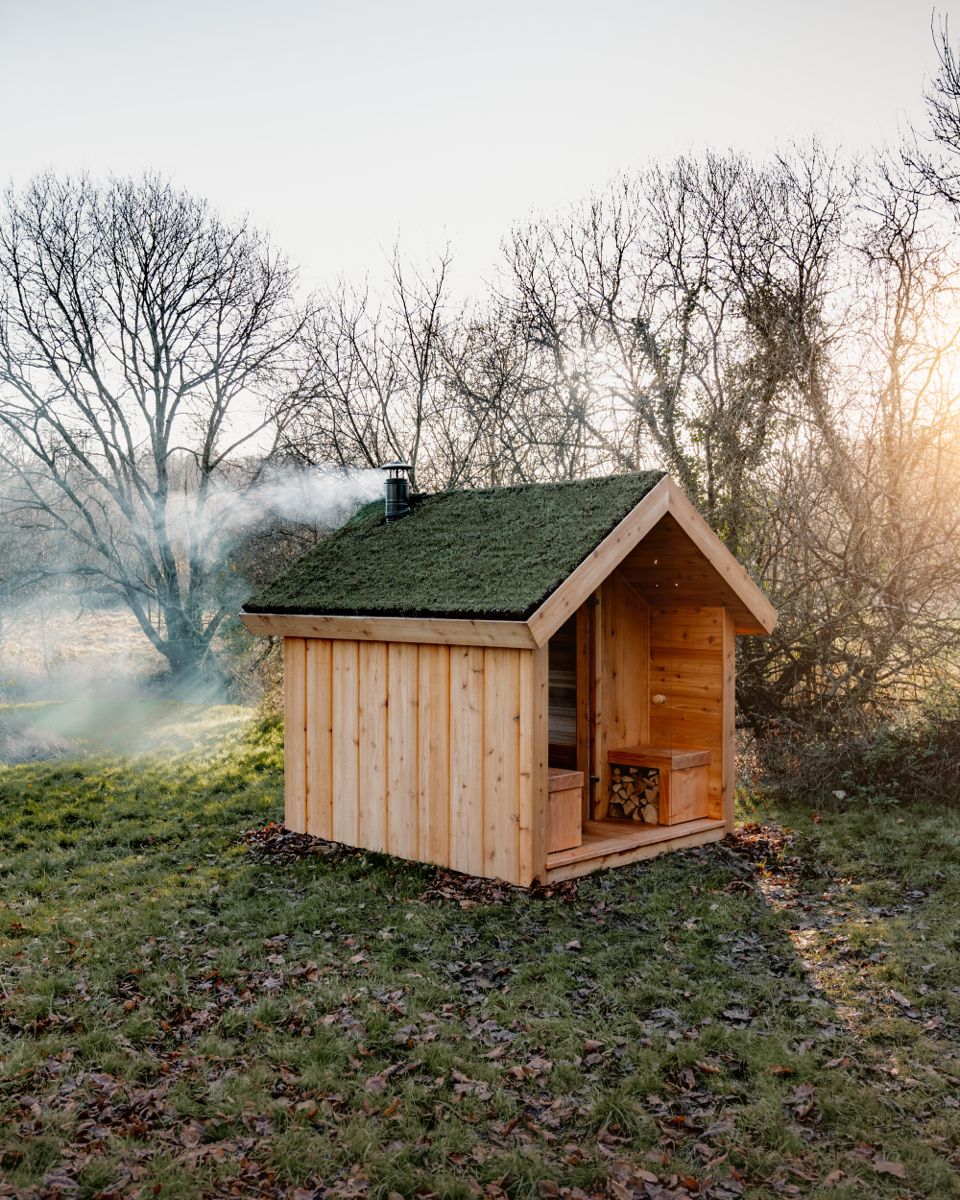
[{"x": 528, "y": 683}]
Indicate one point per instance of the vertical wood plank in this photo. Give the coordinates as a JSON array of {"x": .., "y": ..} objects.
[
  {"x": 599, "y": 769},
  {"x": 295, "y": 734},
  {"x": 686, "y": 655},
  {"x": 466, "y": 759},
  {"x": 402, "y": 750},
  {"x": 435, "y": 796},
  {"x": 627, "y": 673},
  {"x": 729, "y": 735},
  {"x": 319, "y": 738},
  {"x": 501, "y": 743},
  {"x": 346, "y": 742},
  {"x": 584, "y": 694},
  {"x": 373, "y": 701},
  {"x": 533, "y": 751}
]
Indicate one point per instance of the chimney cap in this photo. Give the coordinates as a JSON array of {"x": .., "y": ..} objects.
[{"x": 396, "y": 466}]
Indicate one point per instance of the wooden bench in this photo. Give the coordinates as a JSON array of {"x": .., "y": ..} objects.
[
  {"x": 565, "y": 809},
  {"x": 684, "y": 783}
]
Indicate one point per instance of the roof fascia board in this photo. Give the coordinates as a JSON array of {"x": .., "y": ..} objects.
[
  {"x": 587, "y": 577},
  {"x": 665, "y": 497},
  {"x": 720, "y": 558},
  {"x": 429, "y": 630}
]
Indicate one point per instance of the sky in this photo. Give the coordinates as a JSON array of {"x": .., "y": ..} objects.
[{"x": 343, "y": 128}]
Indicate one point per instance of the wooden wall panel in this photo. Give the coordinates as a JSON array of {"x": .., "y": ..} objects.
[
  {"x": 429, "y": 752},
  {"x": 433, "y": 690},
  {"x": 687, "y": 667},
  {"x": 319, "y": 747},
  {"x": 584, "y": 692},
  {"x": 295, "y": 734},
  {"x": 501, "y": 771},
  {"x": 467, "y": 784},
  {"x": 372, "y": 732},
  {"x": 669, "y": 567},
  {"x": 345, "y": 742},
  {"x": 729, "y": 734},
  {"x": 533, "y": 752},
  {"x": 622, "y": 687},
  {"x": 403, "y": 782}
]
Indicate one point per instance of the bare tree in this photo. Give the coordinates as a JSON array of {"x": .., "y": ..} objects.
[
  {"x": 859, "y": 532},
  {"x": 372, "y": 386},
  {"x": 139, "y": 338}
]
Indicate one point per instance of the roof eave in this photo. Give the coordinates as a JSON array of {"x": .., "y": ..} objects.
[
  {"x": 664, "y": 498},
  {"x": 437, "y": 631}
]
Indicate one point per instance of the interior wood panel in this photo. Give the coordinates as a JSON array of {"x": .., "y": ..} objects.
[
  {"x": 687, "y": 668},
  {"x": 622, "y": 713},
  {"x": 667, "y": 568},
  {"x": 729, "y": 732}
]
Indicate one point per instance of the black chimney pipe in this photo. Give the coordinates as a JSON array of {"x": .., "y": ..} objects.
[{"x": 398, "y": 490}]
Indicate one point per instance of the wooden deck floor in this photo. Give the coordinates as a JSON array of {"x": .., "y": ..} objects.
[{"x": 615, "y": 843}]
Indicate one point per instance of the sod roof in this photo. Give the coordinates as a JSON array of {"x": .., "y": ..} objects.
[{"x": 492, "y": 554}]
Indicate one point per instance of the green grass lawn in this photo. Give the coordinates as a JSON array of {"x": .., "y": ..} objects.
[{"x": 185, "y": 1015}]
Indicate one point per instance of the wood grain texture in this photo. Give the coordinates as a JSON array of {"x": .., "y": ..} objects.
[
  {"x": 622, "y": 690},
  {"x": 345, "y": 742},
  {"x": 467, "y": 760},
  {"x": 682, "y": 561},
  {"x": 672, "y": 758},
  {"x": 403, "y": 751},
  {"x": 372, "y": 731},
  {"x": 583, "y": 700},
  {"x": 729, "y": 731},
  {"x": 588, "y": 576},
  {"x": 665, "y": 545},
  {"x": 439, "y": 631},
  {"x": 534, "y": 774},
  {"x": 501, "y": 772},
  {"x": 434, "y": 792},
  {"x": 295, "y": 734},
  {"x": 319, "y": 742},
  {"x": 686, "y": 649},
  {"x": 593, "y": 857}
]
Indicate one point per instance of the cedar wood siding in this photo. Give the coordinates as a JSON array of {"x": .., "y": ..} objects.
[{"x": 430, "y": 752}]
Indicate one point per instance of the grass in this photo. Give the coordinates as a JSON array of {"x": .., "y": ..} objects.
[
  {"x": 495, "y": 552},
  {"x": 182, "y": 1016}
]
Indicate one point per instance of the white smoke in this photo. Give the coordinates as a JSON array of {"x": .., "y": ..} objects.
[
  {"x": 61, "y": 644},
  {"x": 322, "y": 497}
]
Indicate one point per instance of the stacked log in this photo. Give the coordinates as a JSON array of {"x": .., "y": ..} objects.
[{"x": 635, "y": 794}]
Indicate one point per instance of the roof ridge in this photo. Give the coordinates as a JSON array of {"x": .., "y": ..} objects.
[{"x": 537, "y": 483}]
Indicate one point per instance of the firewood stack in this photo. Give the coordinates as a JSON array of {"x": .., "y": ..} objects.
[{"x": 635, "y": 794}]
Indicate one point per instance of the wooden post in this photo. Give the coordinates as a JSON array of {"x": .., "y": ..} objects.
[{"x": 729, "y": 743}]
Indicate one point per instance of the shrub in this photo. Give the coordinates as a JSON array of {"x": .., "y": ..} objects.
[{"x": 914, "y": 758}]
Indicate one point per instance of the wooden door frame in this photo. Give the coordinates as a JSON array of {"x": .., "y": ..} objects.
[{"x": 586, "y": 698}]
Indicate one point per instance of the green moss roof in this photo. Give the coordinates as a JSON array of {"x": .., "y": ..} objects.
[{"x": 494, "y": 554}]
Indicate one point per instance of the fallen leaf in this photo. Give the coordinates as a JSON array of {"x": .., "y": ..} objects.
[{"x": 375, "y": 1084}]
